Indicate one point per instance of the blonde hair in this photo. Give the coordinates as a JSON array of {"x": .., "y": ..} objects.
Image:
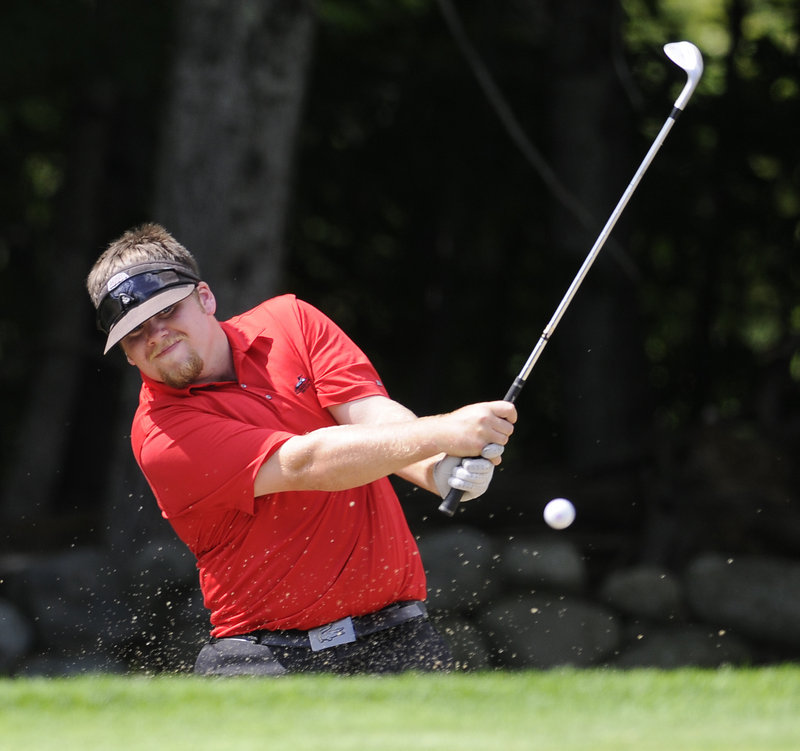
[{"x": 147, "y": 243}]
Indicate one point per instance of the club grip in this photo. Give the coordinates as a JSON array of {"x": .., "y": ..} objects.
[{"x": 450, "y": 503}]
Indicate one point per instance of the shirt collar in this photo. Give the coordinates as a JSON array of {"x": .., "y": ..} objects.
[
  {"x": 160, "y": 387},
  {"x": 241, "y": 339}
]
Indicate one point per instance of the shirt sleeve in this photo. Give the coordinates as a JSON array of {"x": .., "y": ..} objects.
[
  {"x": 195, "y": 460},
  {"x": 341, "y": 371}
]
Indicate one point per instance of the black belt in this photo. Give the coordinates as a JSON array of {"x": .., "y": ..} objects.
[{"x": 343, "y": 631}]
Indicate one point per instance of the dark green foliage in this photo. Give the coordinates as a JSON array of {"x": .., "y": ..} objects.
[{"x": 418, "y": 225}]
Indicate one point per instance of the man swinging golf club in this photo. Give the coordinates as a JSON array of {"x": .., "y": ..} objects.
[{"x": 268, "y": 440}]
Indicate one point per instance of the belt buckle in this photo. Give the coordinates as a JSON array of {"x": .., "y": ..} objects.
[{"x": 332, "y": 634}]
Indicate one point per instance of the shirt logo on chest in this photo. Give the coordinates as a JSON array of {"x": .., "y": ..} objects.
[{"x": 302, "y": 384}]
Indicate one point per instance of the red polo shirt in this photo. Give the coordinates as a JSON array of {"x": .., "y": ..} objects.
[{"x": 284, "y": 560}]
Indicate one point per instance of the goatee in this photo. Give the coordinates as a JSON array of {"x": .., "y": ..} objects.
[{"x": 185, "y": 374}]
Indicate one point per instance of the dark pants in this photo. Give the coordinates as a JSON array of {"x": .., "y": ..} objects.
[{"x": 413, "y": 645}]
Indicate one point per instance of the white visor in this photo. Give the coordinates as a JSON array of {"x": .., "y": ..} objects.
[{"x": 147, "y": 309}]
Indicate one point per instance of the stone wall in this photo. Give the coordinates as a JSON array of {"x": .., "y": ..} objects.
[
  {"x": 528, "y": 602},
  {"x": 504, "y": 601}
]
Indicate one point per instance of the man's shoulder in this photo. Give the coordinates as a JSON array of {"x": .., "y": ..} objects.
[
  {"x": 287, "y": 312},
  {"x": 283, "y": 302},
  {"x": 162, "y": 410},
  {"x": 274, "y": 307}
]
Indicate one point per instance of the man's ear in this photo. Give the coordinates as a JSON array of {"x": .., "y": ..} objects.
[{"x": 207, "y": 300}]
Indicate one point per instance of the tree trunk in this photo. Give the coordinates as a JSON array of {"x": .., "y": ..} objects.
[
  {"x": 230, "y": 130},
  {"x": 223, "y": 179},
  {"x": 598, "y": 342}
]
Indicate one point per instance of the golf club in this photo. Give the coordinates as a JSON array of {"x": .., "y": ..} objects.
[{"x": 686, "y": 56}]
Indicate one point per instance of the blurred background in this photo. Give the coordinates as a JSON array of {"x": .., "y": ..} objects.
[{"x": 431, "y": 174}]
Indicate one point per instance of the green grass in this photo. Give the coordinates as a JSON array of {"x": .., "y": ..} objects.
[{"x": 564, "y": 710}]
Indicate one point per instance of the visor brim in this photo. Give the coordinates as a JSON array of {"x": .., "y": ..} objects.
[{"x": 150, "y": 307}]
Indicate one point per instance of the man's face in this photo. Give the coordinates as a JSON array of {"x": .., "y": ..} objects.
[{"x": 174, "y": 345}]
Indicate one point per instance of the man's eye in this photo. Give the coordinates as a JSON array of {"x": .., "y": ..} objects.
[{"x": 167, "y": 312}]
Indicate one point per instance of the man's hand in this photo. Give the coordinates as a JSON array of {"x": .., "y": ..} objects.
[
  {"x": 469, "y": 475},
  {"x": 468, "y": 430}
]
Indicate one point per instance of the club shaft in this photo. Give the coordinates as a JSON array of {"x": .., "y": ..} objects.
[
  {"x": 593, "y": 253},
  {"x": 450, "y": 503}
]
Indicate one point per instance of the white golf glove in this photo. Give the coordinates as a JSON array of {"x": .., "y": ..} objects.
[{"x": 470, "y": 475}]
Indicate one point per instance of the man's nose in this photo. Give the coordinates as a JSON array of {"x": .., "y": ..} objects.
[{"x": 154, "y": 328}]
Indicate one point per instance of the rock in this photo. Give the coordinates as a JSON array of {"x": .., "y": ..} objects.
[
  {"x": 174, "y": 645},
  {"x": 75, "y": 600},
  {"x": 163, "y": 563},
  {"x": 16, "y": 635},
  {"x": 644, "y": 592},
  {"x": 753, "y": 595},
  {"x": 459, "y": 564},
  {"x": 552, "y": 563},
  {"x": 683, "y": 646},
  {"x": 469, "y": 647},
  {"x": 543, "y": 631},
  {"x": 57, "y": 665}
]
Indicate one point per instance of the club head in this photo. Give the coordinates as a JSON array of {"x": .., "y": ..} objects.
[{"x": 685, "y": 55}]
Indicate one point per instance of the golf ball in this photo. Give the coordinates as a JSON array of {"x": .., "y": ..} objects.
[{"x": 559, "y": 513}]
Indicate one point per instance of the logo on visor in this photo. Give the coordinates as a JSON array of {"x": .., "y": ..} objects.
[{"x": 116, "y": 280}]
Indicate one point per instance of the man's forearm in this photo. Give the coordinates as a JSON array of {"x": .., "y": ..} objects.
[
  {"x": 382, "y": 409},
  {"x": 421, "y": 473},
  {"x": 350, "y": 455},
  {"x": 347, "y": 456}
]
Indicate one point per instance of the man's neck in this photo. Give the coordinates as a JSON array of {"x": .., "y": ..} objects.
[{"x": 219, "y": 363}]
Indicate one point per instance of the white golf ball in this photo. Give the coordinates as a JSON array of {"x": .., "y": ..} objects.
[{"x": 559, "y": 513}]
